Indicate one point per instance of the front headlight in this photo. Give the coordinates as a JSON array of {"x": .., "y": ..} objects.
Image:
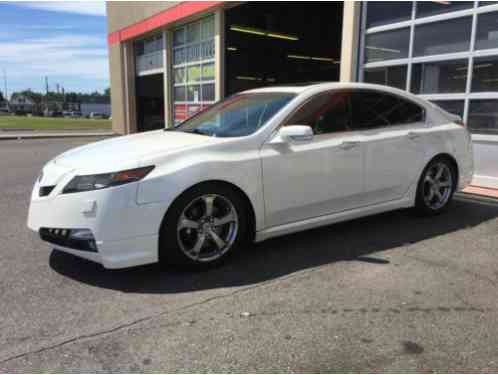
[{"x": 105, "y": 180}]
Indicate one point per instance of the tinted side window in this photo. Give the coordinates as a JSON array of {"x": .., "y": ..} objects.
[
  {"x": 325, "y": 113},
  {"x": 373, "y": 109}
]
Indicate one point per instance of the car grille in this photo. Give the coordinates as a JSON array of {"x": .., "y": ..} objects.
[{"x": 45, "y": 190}]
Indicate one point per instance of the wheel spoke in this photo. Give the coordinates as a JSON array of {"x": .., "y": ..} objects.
[
  {"x": 439, "y": 172},
  {"x": 439, "y": 195},
  {"x": 430, "y": 196},
  {"x": 187, "y": 223},
  {"x": 230, "y": 217},
  {"x": 218, "y": 241},
  {"x": 444, "y": 184},
  {"x": 198, "y": 245},
  {"x": 429, "y": 179},
  {"x": 209, "y": 202}
]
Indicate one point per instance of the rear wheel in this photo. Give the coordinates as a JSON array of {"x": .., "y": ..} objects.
[
  {"x": 203, "y": 226},
  {"x": 436, "y": 187}
]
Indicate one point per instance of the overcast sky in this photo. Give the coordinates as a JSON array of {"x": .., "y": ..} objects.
[{"x": 65, "y": 41}]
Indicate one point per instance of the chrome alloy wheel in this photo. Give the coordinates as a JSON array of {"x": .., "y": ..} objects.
[
  {"x": 438, "y": 186},
  {"x": 207, "y": 227}
]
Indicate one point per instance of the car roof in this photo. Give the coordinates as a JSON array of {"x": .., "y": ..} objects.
[{"x": 318, "y": 86}]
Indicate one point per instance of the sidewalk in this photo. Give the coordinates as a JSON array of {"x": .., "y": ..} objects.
[
  {"x": 481, "y": 191},
  {"x": 41, "y": 134}
]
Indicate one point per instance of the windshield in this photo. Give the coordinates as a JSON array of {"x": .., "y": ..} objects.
[{"x": 237, "y": 116}]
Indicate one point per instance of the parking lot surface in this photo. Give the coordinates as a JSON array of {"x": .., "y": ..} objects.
[{"x": 393, "y": 292}]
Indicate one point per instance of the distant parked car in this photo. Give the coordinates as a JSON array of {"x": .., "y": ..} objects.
[
  {"x": 97, "y": 116},
  {"x": 76, "y": 114},
  {"x": 4, "y": 112},
  {"x": 53, "y": 114},
  {"x": 67, "y": 114}
]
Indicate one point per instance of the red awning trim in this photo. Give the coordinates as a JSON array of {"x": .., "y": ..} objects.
[{"x": 167, "y": 16}]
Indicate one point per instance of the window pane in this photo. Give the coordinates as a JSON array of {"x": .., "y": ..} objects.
[
  {"x": 442, "y": 37},
  {"x": 179, "y": 56},
  {"x": 179, "y": 93},
  {"x": 139, "y": 48},
  {"x": 387, "y": 45},
  {"x": 208, "y": 72},
  {"x": 179, "y": 37},
  {"x": 487, "y": 31},
  {"x": 483, "y": 116},
  {"x": 373, "y": 109},
  {"x": 207, "y": 50},
  {"x": 451, "y": 106},
  {"x": 430, "y": 8},
  {"x": 394, "y": 76},
  {"x": 193, "y": 53},
  {"x": 207, "y": 28},
  {"x": 179, "y": 75},
  {"x": 485, "y": 74},
  {"x": 325, "y": 113},
  {"x": 194, "y": 73},
  {"x": 385, "y": 12},
  {"x": 194, "y": 93},
  {"x": 208, "y": 92},
  {"x": 194, "y": 32},
  {"x": 439, "y": 77}
]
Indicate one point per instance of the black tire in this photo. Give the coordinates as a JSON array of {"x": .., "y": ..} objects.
[
  {"x": 170, "y": 250},
  {"x": 422, "y": 206}
]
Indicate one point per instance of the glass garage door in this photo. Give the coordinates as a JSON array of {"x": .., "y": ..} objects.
[
  {"x": 446, "y": 52},
  {"x": 193, "y": 68}
]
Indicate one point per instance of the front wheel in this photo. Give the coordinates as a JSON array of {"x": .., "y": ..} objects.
[
  {"x": 203, "y": 226},
  {"x": 436, "y": 187}
]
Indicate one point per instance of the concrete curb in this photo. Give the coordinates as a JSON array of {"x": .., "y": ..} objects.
[{"x": 6, "y": 137}]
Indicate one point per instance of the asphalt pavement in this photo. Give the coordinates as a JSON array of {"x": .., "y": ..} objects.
[{"x": 389, "y": 293}]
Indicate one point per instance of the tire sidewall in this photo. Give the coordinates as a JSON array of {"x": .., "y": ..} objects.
[{"x": 169, "y": 249}]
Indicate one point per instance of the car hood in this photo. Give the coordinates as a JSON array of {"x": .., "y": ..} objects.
[{"x": 127, "y": 151}]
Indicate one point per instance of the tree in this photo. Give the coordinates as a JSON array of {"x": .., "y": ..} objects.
[{"x": 1, "y": 97}]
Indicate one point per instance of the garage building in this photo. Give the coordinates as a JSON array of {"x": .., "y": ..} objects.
[{"x": 169, "y": 60}]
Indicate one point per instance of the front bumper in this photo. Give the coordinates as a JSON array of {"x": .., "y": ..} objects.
[{"x": 125, "y": 232}]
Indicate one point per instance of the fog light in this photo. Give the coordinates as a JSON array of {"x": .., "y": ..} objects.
[
  {"x": 81, "y": 234},
  {"x": 84, "y": 237}
]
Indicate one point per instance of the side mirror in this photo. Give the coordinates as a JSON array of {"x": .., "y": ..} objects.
[{"x": 293, "y": 134}]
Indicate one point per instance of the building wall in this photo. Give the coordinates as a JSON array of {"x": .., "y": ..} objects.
[
  {"x": 121, "y": 14},
  {"x": 118, "y": 108},
  {"x": 123, "y": 19},
  {"x": 350, "y": 41}
]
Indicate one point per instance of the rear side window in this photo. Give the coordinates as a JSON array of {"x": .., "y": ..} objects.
[
  {"x": 374, "y": 109},
  {"x": 325, "y": 113}
]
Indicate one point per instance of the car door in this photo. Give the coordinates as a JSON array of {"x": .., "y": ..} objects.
[
  {"x": 324, "y": 175},
  {"x": 391, "y": 128}
]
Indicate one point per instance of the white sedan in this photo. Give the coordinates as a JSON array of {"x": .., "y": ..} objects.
[{"x": 259, "y": 164}]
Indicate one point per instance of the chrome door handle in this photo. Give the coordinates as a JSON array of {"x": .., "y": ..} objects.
[
  {"x": 413, "y": 135},
  {"x": 348, "y": 145}
]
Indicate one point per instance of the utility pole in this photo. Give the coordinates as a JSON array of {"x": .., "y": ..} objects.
[
  {"x": 46, "y": 85},
  {"x": 5, "y": 83},
  {"x": 5, "y": 87}
]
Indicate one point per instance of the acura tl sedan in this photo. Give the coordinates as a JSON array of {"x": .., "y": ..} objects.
[{"x": 259, "y": 164}]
